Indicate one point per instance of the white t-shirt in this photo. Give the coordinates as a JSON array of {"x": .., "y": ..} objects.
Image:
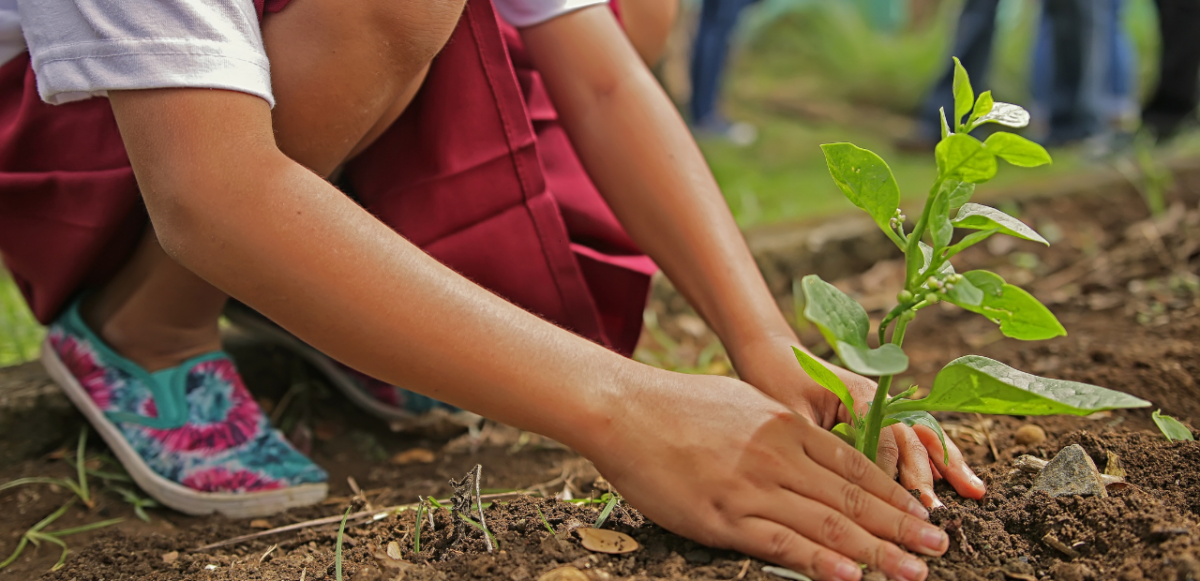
[{"x": 85, "y": 48}]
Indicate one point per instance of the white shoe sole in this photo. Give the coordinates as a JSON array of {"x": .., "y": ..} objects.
[{"x": 173, "y": 494}]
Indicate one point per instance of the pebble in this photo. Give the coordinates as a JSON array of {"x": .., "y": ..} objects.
[
  {"x": 1030, "y": 435},
  {"x": 171, "y": 557},
  {"x": 1071, "y": 473}
]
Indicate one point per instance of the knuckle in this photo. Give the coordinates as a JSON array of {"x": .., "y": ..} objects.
[
  {"x": 906, "y": 527},
  {"x": 834, "y": 529},
  {"x": 781, "y": 545},
  {"x": 855, "y": 501},
  {"x": 856, "y": 464},
  {"x": 884, "y": 556}
]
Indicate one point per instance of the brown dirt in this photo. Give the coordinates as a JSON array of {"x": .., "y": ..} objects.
[{"x": 1125, "y": 292}]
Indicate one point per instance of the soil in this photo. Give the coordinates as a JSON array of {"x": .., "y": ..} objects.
[{"x": 1124, "y": 286}]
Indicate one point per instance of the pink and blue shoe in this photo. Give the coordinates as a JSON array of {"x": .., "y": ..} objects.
[
  {"x": 401, "y": 407},
  {"x": 191, "y": 436}
]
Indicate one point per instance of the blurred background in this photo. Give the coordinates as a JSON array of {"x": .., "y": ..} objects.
[{"x": 798, "y": 73}]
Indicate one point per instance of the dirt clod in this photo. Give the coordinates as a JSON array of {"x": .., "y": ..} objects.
[{"x": 1029, "y": 435}]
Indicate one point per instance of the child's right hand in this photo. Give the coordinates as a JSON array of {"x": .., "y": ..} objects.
[{"x": 714, "y": 459}]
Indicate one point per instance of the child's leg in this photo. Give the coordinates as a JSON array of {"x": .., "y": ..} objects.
[
  {"x": 154, "y": 311},
  {"x": 339, "y": 79}
]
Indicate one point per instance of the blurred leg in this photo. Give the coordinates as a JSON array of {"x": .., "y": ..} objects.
[
  {"x": 1175, "y": 98},
  {"x": 972, "y": 46},
  {"x": 718, "y": 18}
]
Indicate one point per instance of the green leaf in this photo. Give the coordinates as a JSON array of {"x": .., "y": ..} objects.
[
  {"x": 844, "y": 325},
  {"x": 1005, "y": 114},
  {"x": 981, "y": 385},
  {"x": 964, "y": 294},
  {"x": 825, "y": 377},
  {"x": 964, "y": 158},
  {"x": 941, "y": 231},
  {"x": 1016, "y": 150},
  {"x": 1172, "y": 428},
  {"x": 1019, "y": 314},
  {"x": 847, "y": 433},
  {"x": 980, "y": 217},
  {"x": 927, "y": 255},
  {"x": 865, "y": 179},
  {"x": 958, "y": 192},
  {"x": 983, "y": 106},
  {"x": 970, "y": 240},
  {"x": 916, "y": 418},
  {"x": 964, "y": 96},
  {"x": 945, "y": 126}
]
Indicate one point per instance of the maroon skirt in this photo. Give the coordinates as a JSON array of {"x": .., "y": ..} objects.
[{"x": 477, "y": 172}]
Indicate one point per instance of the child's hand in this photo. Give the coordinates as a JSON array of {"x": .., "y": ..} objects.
[
  {"x": 914, "y": 453},
  {"x": 715, "y": 459}
]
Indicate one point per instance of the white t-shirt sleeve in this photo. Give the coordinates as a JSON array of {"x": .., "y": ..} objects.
[
  {"x": 85, "y": 48},
  {"x": 522, "y": 13}
]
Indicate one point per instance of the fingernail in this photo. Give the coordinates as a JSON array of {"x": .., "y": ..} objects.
[
  {"x": 847, "y": 572},
  {"x": 912, "y": 570},
  {"x": 937, "y": 503},
  {"x": 915, "y": 509},
  {"x": 934, "y": 539},
  {"x": 976, "y": 481}
]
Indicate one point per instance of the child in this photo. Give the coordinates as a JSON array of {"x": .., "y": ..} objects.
[{"x": 514, "y": 161}]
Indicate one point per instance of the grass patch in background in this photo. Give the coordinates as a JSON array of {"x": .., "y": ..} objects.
[{"x": 20, "y": 334}]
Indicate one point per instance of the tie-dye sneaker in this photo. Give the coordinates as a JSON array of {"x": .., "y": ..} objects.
[
  {"x": 400, "y": 406},
  {"x": 191, "y": 436}
]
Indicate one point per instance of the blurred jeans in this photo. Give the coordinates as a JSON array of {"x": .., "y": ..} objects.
[
  {"x": 972, "y": 46},
  {"x": 1176, "y": 96},
  {"x": 1082, "y": 78},
  {"x": 718, "y": 18}
]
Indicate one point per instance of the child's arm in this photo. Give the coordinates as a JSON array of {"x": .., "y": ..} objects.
[
  {"x": 709, "y": 457},
  {"x": 646, "y": 164}
]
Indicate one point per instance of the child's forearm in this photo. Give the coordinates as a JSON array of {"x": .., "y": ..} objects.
[
  {"x": 643, "y": 159},
  {"x": 255, "y": 224}
]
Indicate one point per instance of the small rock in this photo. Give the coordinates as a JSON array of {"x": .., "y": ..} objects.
[
  {"x": 567, "y": 573},
  {"x": 1030, "y": 435},
  {"x": 606, "y": 541},
  {"x": 698, "y": 557},
  {"x": 1071, "y": 473},
  {"x": 171, "y": 557},
  {"x": 414, "y": 456},
  {"x": 393, "y": 550},
  {"x": 260, "y": 523}
]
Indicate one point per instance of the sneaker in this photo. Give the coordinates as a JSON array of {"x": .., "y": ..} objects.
[
  {"x": 190, "y": 436},
  {"x": 739, "y": 133},
  {"x": 399, "y": 406}
]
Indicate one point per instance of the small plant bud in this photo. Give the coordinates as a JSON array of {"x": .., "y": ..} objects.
[
  {"x": 931, "y": 298},
  {"x": 949, "y": 286},
  {"x": 902, "y": 217},
  {"x": 932, "y": 282},
  {"x": 893, "y": 223},
  {"x": 905, "y": 297}
]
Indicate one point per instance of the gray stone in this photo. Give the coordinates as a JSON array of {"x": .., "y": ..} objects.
[{"x": 1071, "y": 473}]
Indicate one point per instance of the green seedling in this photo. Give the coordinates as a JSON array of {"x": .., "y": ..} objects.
[
  {"x": 417, "y": 533},
  {"x": 337, "y": 551},
  {"x": 967, "y": 384},
  {"x": 544, "y": 521},
  {"x": 613, "y": 499},
  {"x": 1172, "y": 428},
  {"x": 37, "y": 536}
]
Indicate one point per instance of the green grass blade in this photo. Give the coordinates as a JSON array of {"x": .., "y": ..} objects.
[
  {"x": 417, "y": 534},
  {"x": 608, "y": 508},
  {"x": 53, "y": 517},
  {"x": 37, "y": 480},
  {"x": 62, "y": 559},
  {"x": 16, "y": 552},
  {"x": 337, "y": 555},
  {"x": 81, "y": 468},
  {"x": 480, "y": 527},
  {"x": 84, "y": 528},
  {"x": 544, "y": 521}
]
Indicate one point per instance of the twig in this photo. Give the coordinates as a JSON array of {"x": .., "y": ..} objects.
[
  {"x": 479, "y": 503},
  {"x": 269, "y": 551},
  {"x": 987, "y": 433},
  {"x": 742, "y": 574},
  {"x": 374, "y": 514}
]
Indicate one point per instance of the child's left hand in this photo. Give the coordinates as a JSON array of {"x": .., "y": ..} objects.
[{"x": 916, "y": 454}]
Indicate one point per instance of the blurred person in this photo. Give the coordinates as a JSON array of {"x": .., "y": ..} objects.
[
  {"x": 973, "y": 46},
  {"x": 482, "y": 247},
  {"x": 1173, "y": 104},
  {"x": 710, "y": 55}
]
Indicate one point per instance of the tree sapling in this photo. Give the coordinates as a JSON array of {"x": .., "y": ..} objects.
[{"x": 967, "y": 384}]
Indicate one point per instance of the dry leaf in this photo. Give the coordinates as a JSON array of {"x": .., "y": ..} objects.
[
  {"x": 1114, "y": 467},
  {"x": 393, "y": 550},
  {"x": 567, "y": 573},
  {"x": 414, "y": 456},
  {"x": 171, "y": 557},
  {"x": 260, "y": 523},
  {"x": 606, "y": 541}
]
